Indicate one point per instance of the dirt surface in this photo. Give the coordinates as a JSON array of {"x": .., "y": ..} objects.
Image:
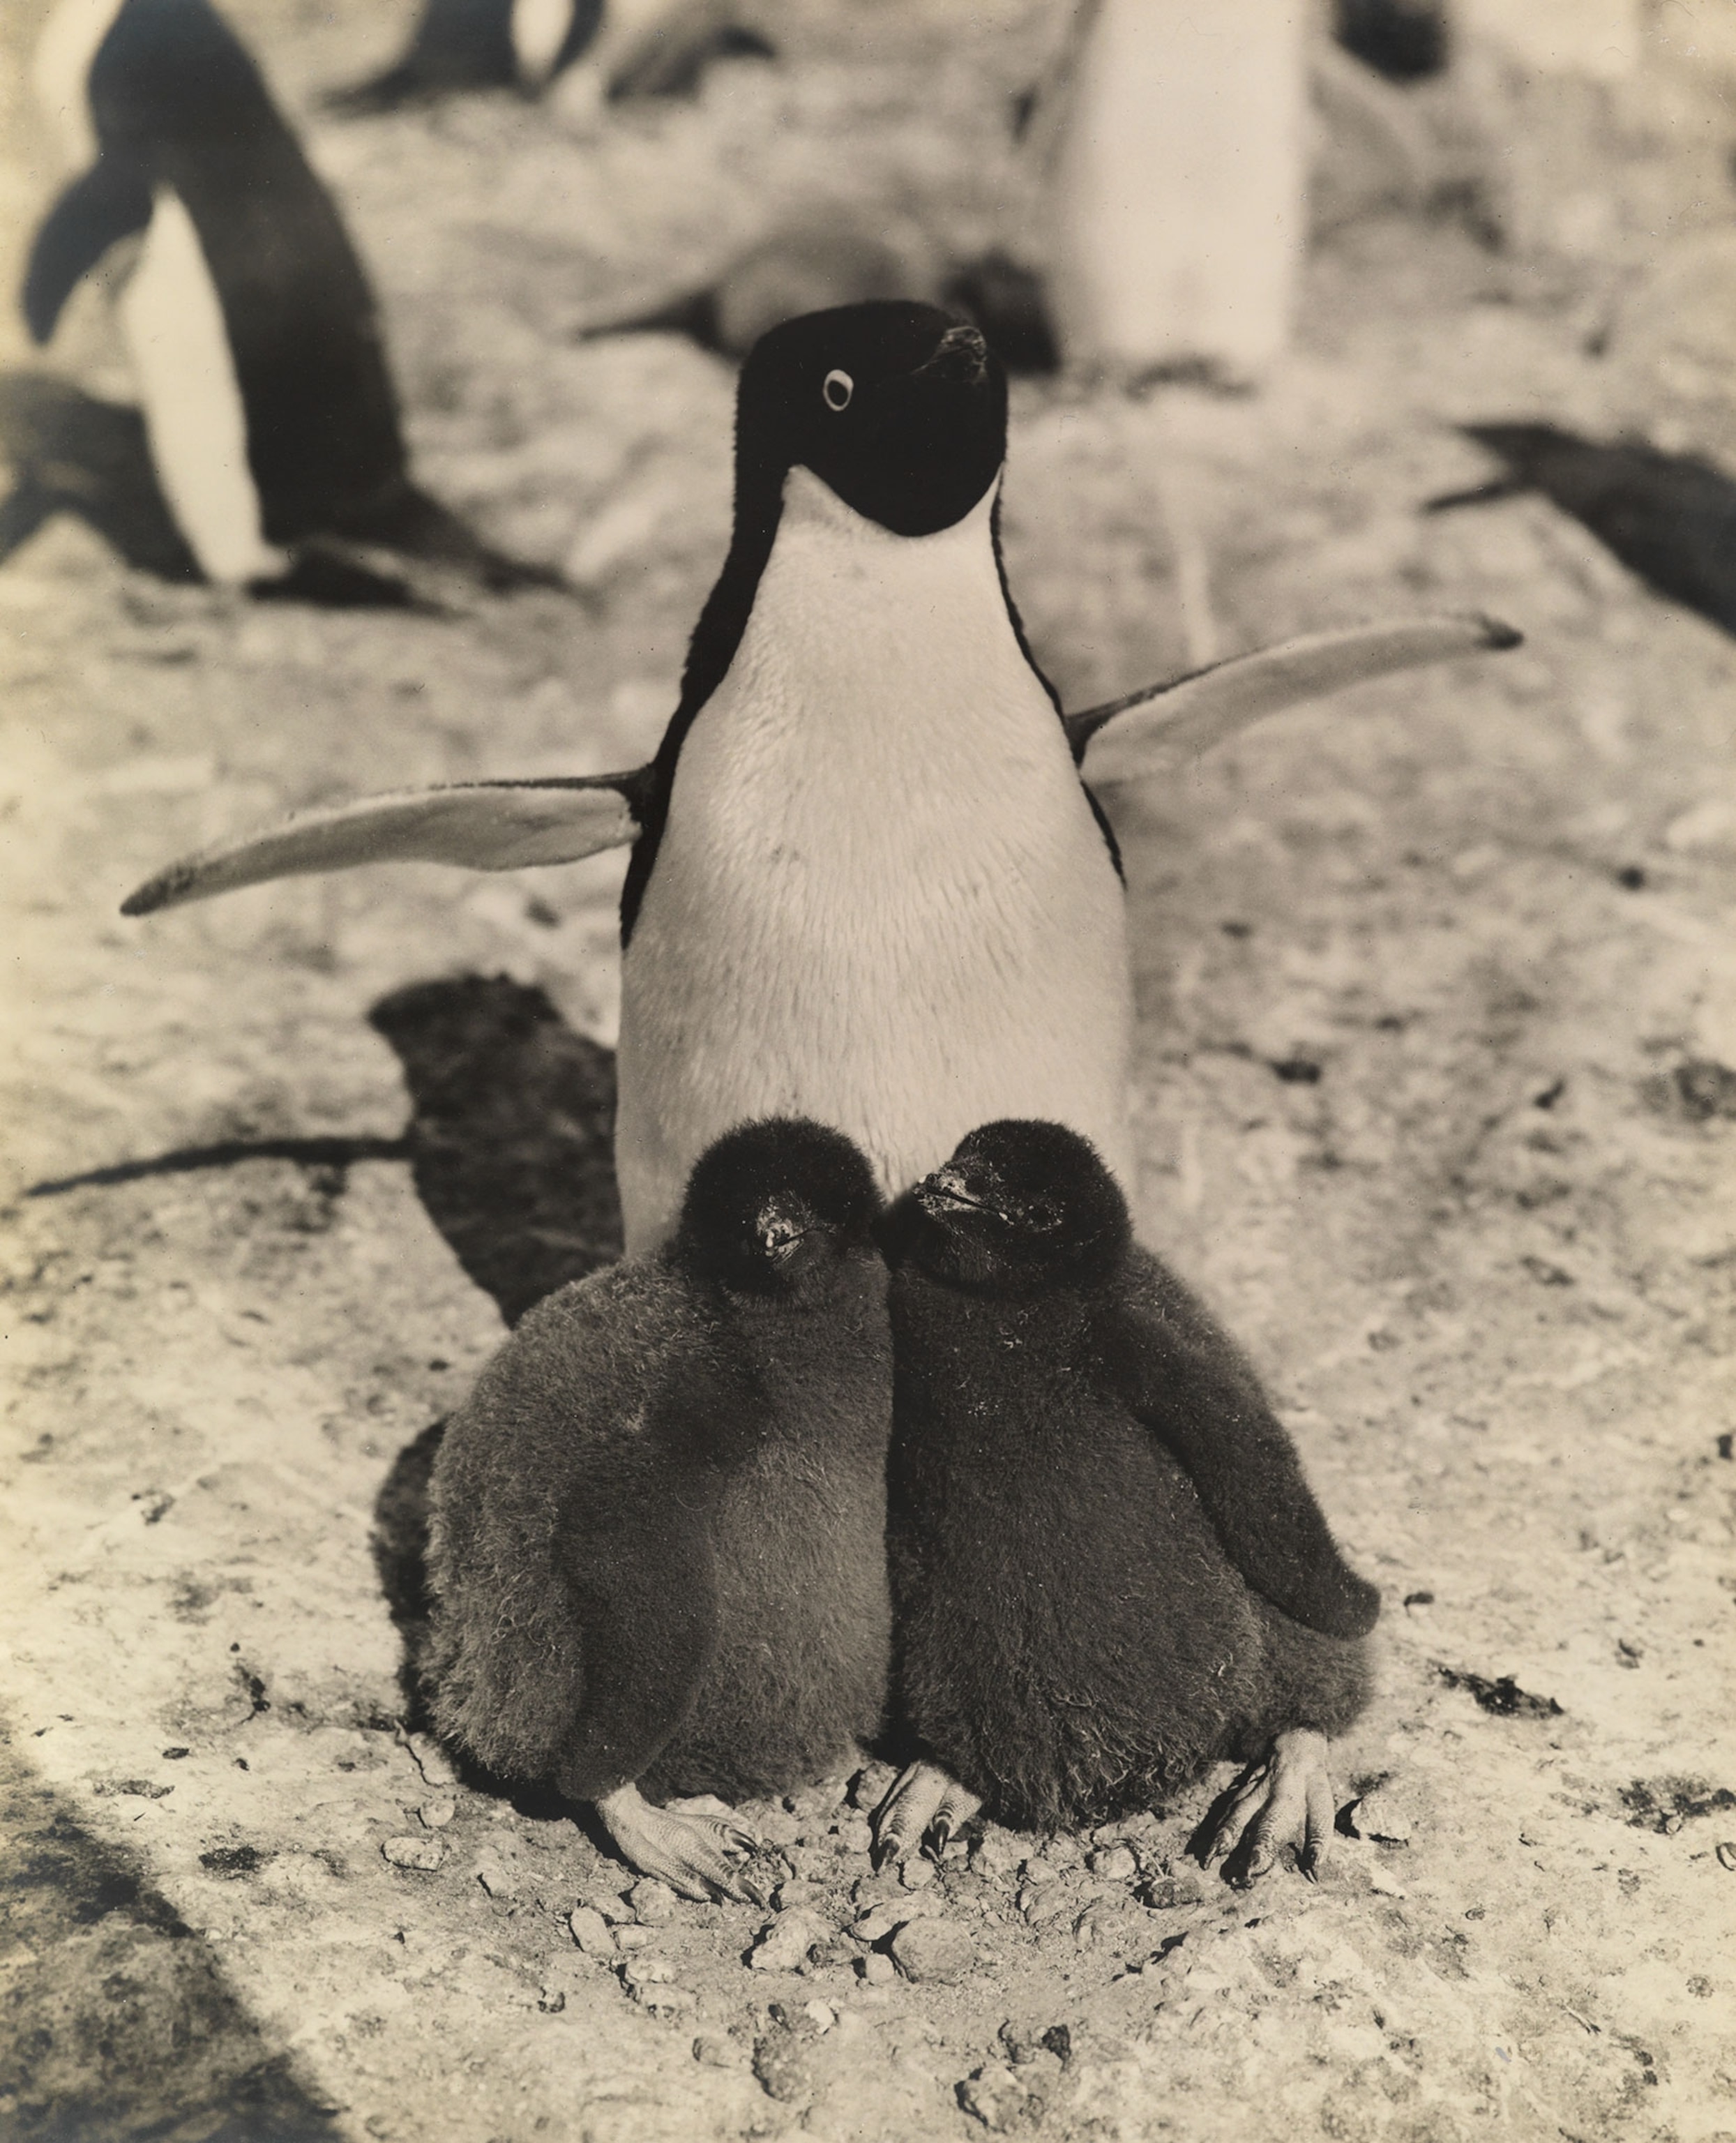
[{"x": 1433, "y": 1101}]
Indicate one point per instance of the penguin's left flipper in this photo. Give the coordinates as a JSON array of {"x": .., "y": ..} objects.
[
  {"x": 1204, "y": 1407},
  {"x": 922, "y": 1798},
  {"x": 109, "y": 203},
  {"x": 1286, "y": 1798},
  {"x": 482, "y": 825},
  {"x": 695, "y": 1853},
  {"x": 1156, "y": 730}
]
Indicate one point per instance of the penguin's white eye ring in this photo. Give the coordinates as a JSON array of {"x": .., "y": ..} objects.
[{"x": 837, "y": 390}]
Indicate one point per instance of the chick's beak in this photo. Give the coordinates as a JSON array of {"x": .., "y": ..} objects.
[{"x": 947, "y": 1190}]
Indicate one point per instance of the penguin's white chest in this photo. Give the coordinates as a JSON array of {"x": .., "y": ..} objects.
[
  {"x": 880, "y": 898},
  {"x": 172, "y": 320}
]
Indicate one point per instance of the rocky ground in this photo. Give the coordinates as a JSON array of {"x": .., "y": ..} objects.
[{"x": 1435, "y": 1103}]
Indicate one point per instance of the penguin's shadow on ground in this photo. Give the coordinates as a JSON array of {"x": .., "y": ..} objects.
[
  {"x": 72, "y": 453},
  {"x": 511, "y": 1147}
]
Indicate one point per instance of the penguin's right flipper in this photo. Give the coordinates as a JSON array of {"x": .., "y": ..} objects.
[
  {"x": 109, "y": 203},
  {"x": 1160, "y": 728},
  {"x": 482, "y": 825},
  {"x": 1207, "y": 1411}
]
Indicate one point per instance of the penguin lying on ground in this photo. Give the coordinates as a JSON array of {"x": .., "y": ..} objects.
[
  {"x": 657, "y": 1554},
  {"x": 1107, "y": 1569},
  {"x": 646, "y": 48},
  {"x": 1670, "y": 518},
  {"x": 868, "y": 884},
  {"x": 253, "y": 333}
]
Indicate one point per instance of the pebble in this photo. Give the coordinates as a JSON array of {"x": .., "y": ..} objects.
[
  {"x": 1164, "y": 1892},
  {"x": 997, "y": 1852},
  {"x": 775, "y": 1826},
  {"x": 875, "y": 1926},
  {"x": 823, "y": 2015},
  {"x": 422, "y": 1854},
  {"x": 1038, "y": 1870},
  {"x": 663, "y": 2001},
  {"x": 996, "y": 2096},
  {"x": 714, "y": 2052},
  {"x": 627, "y": 1936},
  {"x": 1046, "y": 1901},
  {"x": 916, "y": 1874},
  {"x": 796, "y": 1893},
  {"x": 871, "y": 1785},
  {"x": 876, "y": 1969},
  {"x": 437, "y": 1814},
  {"x": 784, "y": 1941},
  {"x": 647, "y": 1971},
  {"x": 655, "y": 1902},
  {"x": 1116, "y": 1864},
  {"x": 932, "y": 1951},
  {"x": 590, "y": 1931},
  {"x": 870, "y": 1890},
  {"x": 1063, "y": 1853},
  {"x": 855, "y": 1835},
  {"x": 1383, "y": 1814}
]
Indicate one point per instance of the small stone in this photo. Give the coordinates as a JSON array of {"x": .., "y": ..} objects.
[
  {"x": 799, "y": 1893},
  {"x": 647, "y": 1971},
  {"x": 822, "y": 2013},
  {"x": 1063, "y": 1852},
  {"x": 997, "y": 1852},
  {"x": 603, "y": 1887},
  {"x": 916, "y": 1873},
  {"x": 877, "y": 1968},
  {"x": 654, "y": 1902},
  {"x": 871, "y": 1785},
  {"x": 1044, "y": 1903},
  {"x": 425, "y": 1854},
  {"x": 869, "y": 1891},
  {"x": 775, "y": 1826},
  {"x": 933, "y": 1950},
  {"x": 714, "y": 2052},
  {"x": 784, "y": 1942},
  {"x": 995, "y": 2096},
  {"x": 552, "y": 2001},
  {"x": 875, "y": 1926},
  {"x": 854, "y": 1834},
  {"x": 780, "y": 2062},
  {"x": 590, "y": 1931},
  {"x": 1037, "y": 1870},
  {"x": 1115, "y": 1863},
  {"x": 628, "y": 1936},
  {"x": 496, "y": 1876},
  {"x": 663, "y": 2001},
  {"x": 1383, "y": 1814},
  {"x": 437, "y": 1814},
  {"x": 1164, "y": 1892}
]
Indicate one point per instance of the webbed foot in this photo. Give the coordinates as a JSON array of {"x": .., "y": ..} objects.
[
  {"x": 922, "y": 1798},
  {"x": 1286, "y": 1798},
  {"x": 689, "y": 1851}
]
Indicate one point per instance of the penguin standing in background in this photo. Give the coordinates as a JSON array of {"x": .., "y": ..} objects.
[
  {"x": 254, "y": 336},
  {"x": 619, "y": 47},
  {"x": 868, "y": 884},
  {"x": 1108, "y": 1572},
  {"x": 657, "y": 1550}
]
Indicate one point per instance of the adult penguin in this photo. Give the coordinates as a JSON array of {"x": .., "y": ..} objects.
[
  {"x": 1108, "y": 1570},
  {"x": 867, "y": 883},
  {"x": 657, "y": 1554},
  {"x": 254, "y": 336}
]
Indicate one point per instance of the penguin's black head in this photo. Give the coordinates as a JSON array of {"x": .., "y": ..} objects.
[
  {"x": 1020, "y": 1206},
  {"x": 775, "y": 1208},
  {"x": 898, "y": 409}
]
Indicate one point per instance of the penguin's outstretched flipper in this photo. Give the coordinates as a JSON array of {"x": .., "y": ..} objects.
[
  {"x": 110, "y": 202},
  {"x": 483, "y": 826},
  {"x": 1158, "y": 729},
  {"x": 1195, "y": 1395}
]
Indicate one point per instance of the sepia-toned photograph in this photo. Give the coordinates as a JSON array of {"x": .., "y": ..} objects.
[{"x": 868, "y": 1054}]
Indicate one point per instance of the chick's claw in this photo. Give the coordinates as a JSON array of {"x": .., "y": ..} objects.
[
  {"x": 693, "y": 1852},
  {"x": 923, "y": 1800},
  {"x": 1285, "y": 1799}
]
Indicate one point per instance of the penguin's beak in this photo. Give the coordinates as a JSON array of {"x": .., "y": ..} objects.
[
  {"x": 780, "y": 1236},
  {"x": 960, "y": 355},
  {"x": 945, "y": 1192}
]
